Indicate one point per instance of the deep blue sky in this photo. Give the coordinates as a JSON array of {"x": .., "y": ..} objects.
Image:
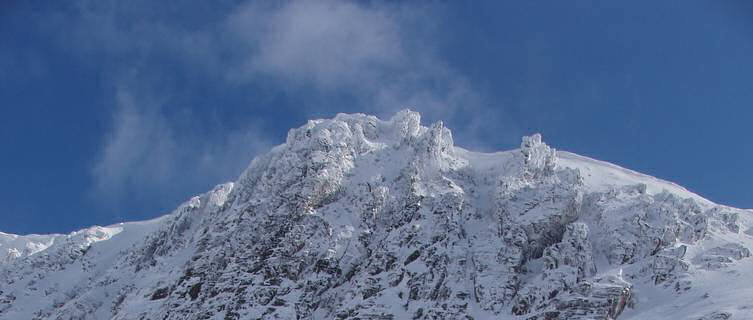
[{"x": 120, "y": 110}]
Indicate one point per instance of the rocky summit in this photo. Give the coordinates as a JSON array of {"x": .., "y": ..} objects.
[{"x": 360, "y": 218}]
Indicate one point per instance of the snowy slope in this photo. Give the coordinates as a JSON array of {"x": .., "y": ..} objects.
[
  {"x": 603, "y": 176},
  {"x": 360, "y": 218}
]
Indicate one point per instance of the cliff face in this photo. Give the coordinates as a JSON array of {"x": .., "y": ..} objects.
[{"x": 359, "y": 218}]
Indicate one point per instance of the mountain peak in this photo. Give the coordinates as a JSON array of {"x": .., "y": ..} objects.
[{"x": 364, "y": 130}]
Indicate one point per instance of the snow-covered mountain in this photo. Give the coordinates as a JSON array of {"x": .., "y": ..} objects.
[{"x": 360, "y": 218}]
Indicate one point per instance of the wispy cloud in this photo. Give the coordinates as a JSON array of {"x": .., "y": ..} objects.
[
  {"x": 327, "y": 44},
  {"x": 147, "y": 156},
  {"x": 139, "y": 151},
  {"x": 384, "y": 56},
  {"x": 379, "y": 53}
]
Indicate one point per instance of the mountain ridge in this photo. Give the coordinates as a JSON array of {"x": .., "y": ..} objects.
[{"x": 361, "y": 218}]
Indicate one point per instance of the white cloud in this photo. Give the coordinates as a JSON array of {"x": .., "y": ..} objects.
[
  {"x": 385, "y": 56},
  {"x": 373, "y": 51},
  {"x": 328, "y": 44}
]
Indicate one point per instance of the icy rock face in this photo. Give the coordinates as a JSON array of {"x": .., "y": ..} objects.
[
  {"x": 13, "y": 247},
  {"x": 360, "y": 218},
  {"x": 539, "y": 158}
]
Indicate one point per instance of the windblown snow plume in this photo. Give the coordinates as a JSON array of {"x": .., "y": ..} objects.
[{"x": 361, "y": 218}]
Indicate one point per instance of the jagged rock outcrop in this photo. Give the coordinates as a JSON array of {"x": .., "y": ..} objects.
[{"x": 360, "y": 218}]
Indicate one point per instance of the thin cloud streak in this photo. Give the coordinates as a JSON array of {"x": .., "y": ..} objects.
[{"x": 146, "y": 156}]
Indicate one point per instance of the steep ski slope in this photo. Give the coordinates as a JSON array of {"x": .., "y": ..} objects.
[{"x": 360, "y": 218}]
